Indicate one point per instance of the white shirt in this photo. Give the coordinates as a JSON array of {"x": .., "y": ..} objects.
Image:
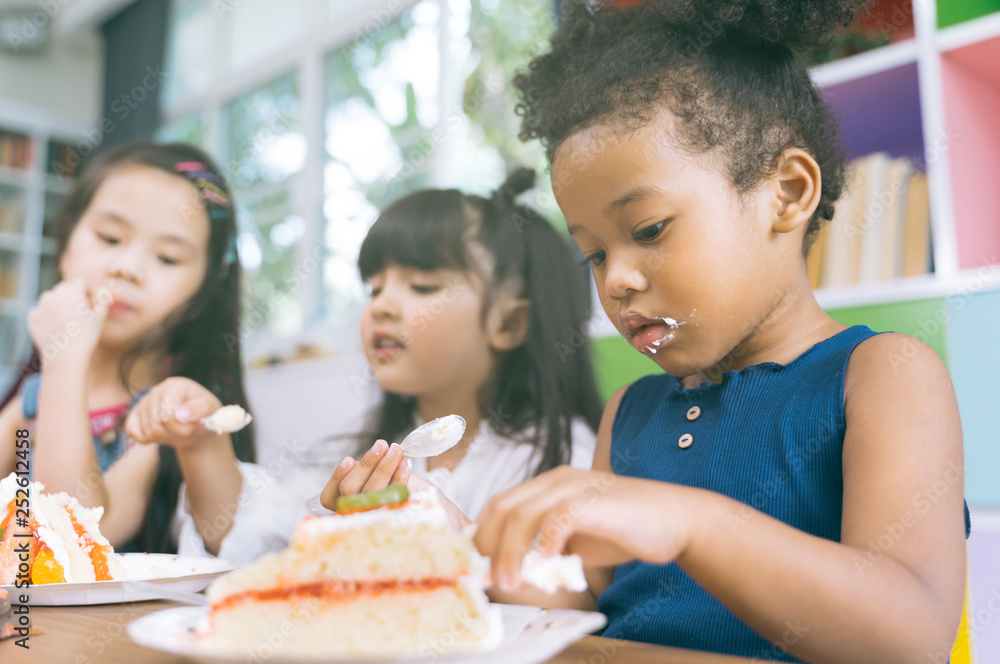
[{"x": 272, "y": 500}]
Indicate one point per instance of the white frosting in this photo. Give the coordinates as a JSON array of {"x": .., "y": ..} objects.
[
  {"x": 551, "y": 573},
  {"x": 88, "y": 517},
  {"x": 8, "y": 487},
  {"x": 447, "y": 428},
  {"x": 434, "y": 437},
  {"x": 228, "y": 419},
  {"x": 43, "y": 509},
  {"x": 48, "y": 535},
  {"x": 422, "y": 508}
]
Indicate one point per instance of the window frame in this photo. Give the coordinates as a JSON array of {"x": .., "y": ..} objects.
[{"x": 306, "y": 59}]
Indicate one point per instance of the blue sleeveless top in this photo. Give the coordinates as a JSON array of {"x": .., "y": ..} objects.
[
  {"x": 769, "y": 436},
  {"x": 106, "y": 426}
]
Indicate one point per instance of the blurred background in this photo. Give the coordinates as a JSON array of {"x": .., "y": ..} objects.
[{"x": 322, "y": 111}]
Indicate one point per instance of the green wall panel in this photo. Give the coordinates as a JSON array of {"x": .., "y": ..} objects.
[
  {"x": 616, "y": 363},
  {"x": 924, "y": 319},
  {"x": 951, "y": 12}
]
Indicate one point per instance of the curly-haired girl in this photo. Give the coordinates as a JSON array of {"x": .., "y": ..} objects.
[{"x": 790, "y": 488}]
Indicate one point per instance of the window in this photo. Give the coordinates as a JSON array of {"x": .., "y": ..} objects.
[{"x": 324, "y": 111}]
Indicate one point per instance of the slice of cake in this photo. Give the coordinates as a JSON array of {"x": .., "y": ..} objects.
[
  {"x": 392, "y": 581},
  {"x": 62, "y": 536}
]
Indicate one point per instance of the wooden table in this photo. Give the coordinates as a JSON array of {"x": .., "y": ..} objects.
[{"x": 96, "y": 635}]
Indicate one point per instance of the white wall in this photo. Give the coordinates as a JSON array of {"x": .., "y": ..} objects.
[
  {"x": 64, "y": 82},
  {"x": 297, "y": 404}
]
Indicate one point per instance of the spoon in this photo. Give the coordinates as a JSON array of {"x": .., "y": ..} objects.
[
  {"x": 428, "y": 439},
  {"x": 228, "y": 419}
]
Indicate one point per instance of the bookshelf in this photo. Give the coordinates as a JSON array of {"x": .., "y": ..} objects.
[
  {"x": 930, "y": 94},
  {"x": 35, "y": 176}
]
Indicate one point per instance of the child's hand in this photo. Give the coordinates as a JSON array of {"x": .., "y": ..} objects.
[
  {"x": 607, "y": 519},
  {"x": 67, "y": 321},
  {"x": 381, "y": 466},
  {"x": 170, "y": 413}
]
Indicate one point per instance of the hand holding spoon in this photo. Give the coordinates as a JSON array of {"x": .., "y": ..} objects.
[{"x": 429, "y": 439}]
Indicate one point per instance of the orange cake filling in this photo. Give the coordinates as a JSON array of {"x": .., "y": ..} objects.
[
  {"x": 335, "y": 589},
  {"x": 98, "y": 552},
  {"x": 65, "y": 543},
  {"x": 45, "y": 569}
]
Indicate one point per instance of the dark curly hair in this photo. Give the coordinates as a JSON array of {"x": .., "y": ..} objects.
[{"x": 726, "y": 69}]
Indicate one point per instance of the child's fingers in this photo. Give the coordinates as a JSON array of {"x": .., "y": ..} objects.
[
  {"x": 143, "y": 427},
  {"x": 195, "y": 407},
  {"x": 403, "y": 471},
  {"x": 133, "y": 427},
  {"x": 509, "y": 523},
  {"x": 382, "y": 476},
  {"x": 355, "y": 480},
  {"x": 328, "y": 498}
]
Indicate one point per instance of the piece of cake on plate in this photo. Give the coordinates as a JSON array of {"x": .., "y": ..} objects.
[
  {"x": 63, "y": 537},
  {"x": 392, "y": 580}
]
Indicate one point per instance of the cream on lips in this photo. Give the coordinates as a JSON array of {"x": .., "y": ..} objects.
[{"x": 648, "y": 334}]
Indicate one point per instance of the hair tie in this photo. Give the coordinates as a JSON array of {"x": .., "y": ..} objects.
[
  {"x": 207, "y": 183},
  {"x": 230, "y": 257},
  {"x": 518, "y": 182}
]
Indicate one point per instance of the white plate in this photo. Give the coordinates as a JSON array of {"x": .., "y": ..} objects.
[
  {"x": 530, "y": 635},
  {"x": 176, "y": 573}
]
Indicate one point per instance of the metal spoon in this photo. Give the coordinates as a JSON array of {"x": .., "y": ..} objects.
[{"x": 428, "y": 439}]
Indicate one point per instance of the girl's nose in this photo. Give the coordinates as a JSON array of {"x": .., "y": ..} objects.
[
  {"x": 384, "y": 305},
  {"x": 622, "y": 278},
  {"x": 128, "y": 265}
]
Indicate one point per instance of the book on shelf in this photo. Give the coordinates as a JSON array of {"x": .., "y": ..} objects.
[
  {"x": 63, "y": 160},
  {"x": 15, "y": 151},
  {"x": 880, "y": 229},
  {"x": 11, "y": 215},
  {"x": 8, "y": 279},
  {"x": 843, "y": 242},
  {"x": 917, "y": 242}
]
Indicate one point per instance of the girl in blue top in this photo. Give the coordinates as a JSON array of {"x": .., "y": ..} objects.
[
  {"x": 790, "y": 488},
  {"x": 149, "y": 291}
]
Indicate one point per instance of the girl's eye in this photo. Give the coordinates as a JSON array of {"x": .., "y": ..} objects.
[
  {"x": 649, "y": 232},
  {"x": 595, "y": 259},
  {"x": 167, "y": 260},
  {"x": 425, "y": 289},
  {"x": 107, "y": 239},
  {"x": 373, "y": 292}
]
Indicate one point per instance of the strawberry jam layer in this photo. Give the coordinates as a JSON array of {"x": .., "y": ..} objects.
[
  {"x": 98, "y": 552},
  {"x": 334, "y": 590}
]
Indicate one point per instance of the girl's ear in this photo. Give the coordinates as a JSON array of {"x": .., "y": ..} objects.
[
  {"x": 797, "y": 187},
  {"x": 507, "y": 323}
]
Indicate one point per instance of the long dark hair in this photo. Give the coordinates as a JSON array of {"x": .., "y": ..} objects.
[
  {"x": 548, "y": 380},
  {"x": 201, "y": 340},
  {"x": 726, "y": 69}
]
